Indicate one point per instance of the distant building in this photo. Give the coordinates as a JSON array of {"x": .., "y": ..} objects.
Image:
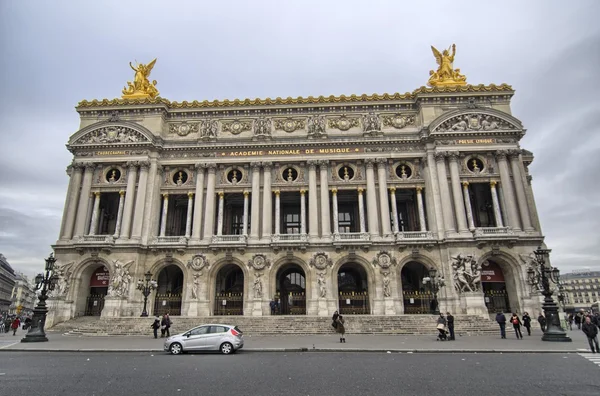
[
  {"x": 23, "y": 296},
  {"x": 7, "y": 282},
  {"x": 582, "y": 289}
]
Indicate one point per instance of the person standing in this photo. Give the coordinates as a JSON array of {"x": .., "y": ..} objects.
[
  {"x": 450, "y": 320},
  {"x": 501, "y": 319},
  {"x": 340, "y": 328},
  {"x": 165, "y": 325},
  {"x": 570, "y": 321},
  {"x": 334, "y": 319},
  {"x": 516, "y": 322},
  {"x": 15, "y": 325},
  {"x": 155, "y": 326},
  {"x": 591, "y": 332},
  {"x": 527, "y": 322},
  {"x": 542, "y": 322},
  {"x": 578, "y": 317}
]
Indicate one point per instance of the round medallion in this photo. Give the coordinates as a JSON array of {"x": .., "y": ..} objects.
[{"x": 183, "y": 130}]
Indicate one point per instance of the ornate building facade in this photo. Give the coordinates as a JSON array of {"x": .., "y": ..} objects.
[
  {"x": 321, "y": 204},
  {"x": 7, "y": 282}
]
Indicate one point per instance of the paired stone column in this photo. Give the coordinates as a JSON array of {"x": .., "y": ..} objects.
[
  {"x": 334, "y": 203},
  {"x": 255, "y": 207},
  {"x": 325, "y": 213},
  {"x": 433, "y": 193},
  {"x": 361, "y": 211},
  {"x": 440, "y": 159},
  {"x": 197, "y": 223},
  {"x": 509, "y": 194},
  {"x": 73, "y": 199},
  {"x": 220, "y": 212},
  {"x": 496, "y": 204},
  {"x": 396, "y": 224},
  {"x": 467, "y": 199},
  {"x": 303, "y": 212},
  {"x": 84, "y": 199},
  {"x": 520, "y": 189},
  {"x": 384, "y": 205},
  {"x": 95, "y": 213},
  {"x": 140, "y": 201},
  {"x": 421, "y": 209},
  {"x": 372, "y": 199},
  {"x": 313, "y": 222},
  {"x": 245, "y": 218},
  {"x": 153, "y": 200},
  {"x": 188, "y": 219},
  {"x": 459, "y": 207},
  {"x": 129, "y": 195},
  {"x": 209, "y": 213},
  {"x": 119, "y": 214},
  {"x": 163, "y": 219},
  {"x": 277, "y": 212},
  {"x": 267, "y": 215}
]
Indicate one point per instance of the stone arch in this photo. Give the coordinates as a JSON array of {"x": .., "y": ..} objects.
[
  {"x": 416, "y": 298},
  {"x": 156, "y": 270},
  {"x": 363, "y": 264},
  {"x": 80, "y": 283},
  {"x": 514, "y": 123},
  {"x": 283, "y": 264},
  {"x": 513, "y": 279},
  {"x": 213, "y": 273},
  {"x": 146, "y": 134}
]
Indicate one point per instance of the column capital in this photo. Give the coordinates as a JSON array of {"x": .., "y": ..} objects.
[
  {"x": 246, "y": 193},
  {"x": 514, "y": 153},
  {"x": 453, "y": 156},
  {"x": 334, "y": 191},
  {"x": 493, "y": 184},
  {"x": 255, "y": 165},
  {"x": 312, "y": 164},
  {"x": 419, "y": 189},
  {"x": 440, "y": 156},
  {"x": 132, "y": 165},
  {"x": 381, "y": 161},
  {"x": 323, "y": 164},
  {"x": 121, "y": 192},
  {"x": 360, "y": 190},
  {"x": 221, "y": 194},
  {"x": 370, "y": 162},
  {"x": 302, "y": 191},
  {"x": 200, "y": 166},
  {"x": 277, "y": 192},
  {"x": 212, "y": 167},
  {"x": 501, "y": 155},
  {"x": 89, "y": 166},
  {"x": 76, "y": 165},
  {"x": 465, "y": 184},
  {"x": 165, "y": 195},
  {"x": 267, "y": 165},
  {"x": 69, "y": 170},
  {"x": 144, "y": 165},
  {"x": 190, "y": 194},
  {"x": 96, "y": 193},
  {"x": 392, "y": 190}
]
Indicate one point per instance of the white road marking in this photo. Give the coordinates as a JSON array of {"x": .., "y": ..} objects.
[
  {"x": 9, "y": 345},
  {"x": 592, "y": 357}
]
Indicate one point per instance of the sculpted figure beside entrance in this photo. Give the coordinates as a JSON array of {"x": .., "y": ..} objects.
[{"x": 466, "y": 273}]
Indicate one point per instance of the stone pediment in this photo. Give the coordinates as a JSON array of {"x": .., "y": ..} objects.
[
  {"x": 476, "y": 121},
  {"x": 111, "y": 134}
]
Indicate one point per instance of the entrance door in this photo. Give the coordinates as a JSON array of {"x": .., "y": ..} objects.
[
  {"x": 291, "y": 286},
  {"x": 494, "y": 287},
  {"x": 417, "y": 299},
  {"x": 168, "y": 295},
  {"x": 229, "y": 291},
  {"x": 98, "y": 290},
  {"x": 353, "y": 290}
]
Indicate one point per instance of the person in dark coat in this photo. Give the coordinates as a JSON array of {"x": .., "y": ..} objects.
[
  {"x": 501, "y": 319},
  {"x": 340, "y": 327},
  {"x": 155, "y": 326},
  {"x": 542, "y": 322},
  {"x": 334, "y": 319},
  {"x": 591, "y": 332},
  {"x": 165, "y": 325},
  {"x": 570, "y": 321},
  {"x": 441, "y": 326},
  {"x": 578, "y": 317},
  {"x": 527, "y": 322},
  {"x": 516, "y": 322},
  {"x": 450, "y": 320}
]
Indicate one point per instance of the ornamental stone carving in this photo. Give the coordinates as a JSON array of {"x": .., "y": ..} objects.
[
  {"x": 121, "y": 279},
  {"x": 371, "y": 123},
  {"x": 387, "y": 290},
  {"x": 237, "y": 126},
  {"x": 257, "y": 286},
  {"x": 322, "y": 284},
  {"x": 343, "y": 123},
  {"x": 112, "y": 134},
  {"x": 259, "y": 262},
  {"x": 474, "y": 122},
  {"x": 183, "y": 128},
  {"x": 398, "y": 121},
  {"x": 195, "y": 285},
  {"x": 209, "y": 129},
  {"x": 466, "y": 273},
  {"x": 289, "y": 124},
  {"x": 320, "y": 261},
  {"x": 384, "y": 260},
  {"x": 198, "y": 262},
  {"x": 262, "y": 127},
  {"x": 316, "y": 126},
  {"x": 64, "y": 273}
]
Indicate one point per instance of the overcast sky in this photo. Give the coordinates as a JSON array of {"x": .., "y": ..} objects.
[{"x": 56, "y": 53}]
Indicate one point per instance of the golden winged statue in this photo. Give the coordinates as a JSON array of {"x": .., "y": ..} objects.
[
  {"x": 445, "y": 75},
  {"x": 141, "y": 87}
]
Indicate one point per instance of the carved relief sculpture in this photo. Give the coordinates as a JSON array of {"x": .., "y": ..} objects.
[
  {"x": 64, "y": 278},
  {"x": 320, "y": 261},
  {"x": 195, "y": 285},
  {"x": 321, "y": 284},
  {"x": 387, "y": 291},
  {"x": 236, "y": 126},
  {"x": 316, "y": 126},
  {"x": 473, "y": 122},
  {"x": 384, "y": 260},
  {"x": 289, "y": 124},
  {"x": 209, "y": 129},
  {"x": 445, "y": 75},
  {"x": 141, "y": 88},
  {"x": 112, "y": 134},
  {"x": 466, "y": 273},
  {"x": 257, "y": 285},
  {"x": 183, "y": 128},
  {"x": 198, "y": 263},
  {"x": 343, "y": 123},
  {"x": 398, "y": 121},
  {"x": 259, "y": 262},
  {"x": 119, "y": 284},
  {"x": 371, "y": 123},
  {"x": 262, "y": 127}
]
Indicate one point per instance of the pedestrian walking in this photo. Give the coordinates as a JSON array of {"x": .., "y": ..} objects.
[
  {"x": 340, "y": 328},
  {"x": 591, "y": 332},
  {"x": 450, "y": 320},
  {"x": 516, "y": 322},
  {"x": 272, "y": 305},
  {"x": 578, "y": 317},
  {"x": 570, "y": 321},
  {"x": 596, "y": 319},
  {"x": 15, "y": 325},
  {"x": 165, "y": 325},
  {"x": 542, "y": 322},
  {"x": 155, "y": 326},
  {"x": 334, "y": 319},
  {"x": 527, "y": 322},
  {"x": 501, "y": 319}
]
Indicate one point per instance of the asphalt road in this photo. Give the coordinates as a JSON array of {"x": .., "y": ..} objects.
[{"x": 312, "y": 373}]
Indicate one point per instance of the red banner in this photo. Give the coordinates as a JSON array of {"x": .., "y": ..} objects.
[
  {"x": 491, "y": 272},
  {"x": 100, "y": 278}
]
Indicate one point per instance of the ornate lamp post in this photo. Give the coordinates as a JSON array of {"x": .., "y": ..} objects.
[
  {"x": 435, "y": 282},
  {"x": 545, "y": 274},
  {"x": 45, "y": 282},
  {"x": 146, "y": 288}
]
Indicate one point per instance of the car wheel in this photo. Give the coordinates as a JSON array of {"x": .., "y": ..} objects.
[
  {"x": 175, "y": 348},
  {"x": 226, "y": 348}
]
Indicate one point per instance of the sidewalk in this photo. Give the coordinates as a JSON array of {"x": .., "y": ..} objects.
[{"x": 324, "y": 343}]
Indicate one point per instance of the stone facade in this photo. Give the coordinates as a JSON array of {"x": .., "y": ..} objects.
[
  {"x": 23, "y": 297},
  {"x": 7, "y": 282},
  {"x": 319, "y": 203}
]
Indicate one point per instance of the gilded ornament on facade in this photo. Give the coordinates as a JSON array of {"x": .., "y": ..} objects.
[
  {"x": 343, "y": 123},
  {"x": 237, "y": 126},
  {"x": 141, "y": 88},
  {"x": 445, "y": 75},
  {"x": 183, "y": 128},
  {"x": 289, "y": 124},
  {"x": 473, "y": 122},
  {"x": 398, "y": 121}
]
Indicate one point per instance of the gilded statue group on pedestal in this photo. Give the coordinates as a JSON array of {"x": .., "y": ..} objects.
[
  {"x": 445, "y": 75},
  {"x": 141, "y": 87}
]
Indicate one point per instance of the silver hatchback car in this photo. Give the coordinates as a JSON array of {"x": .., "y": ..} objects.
[{"x": 209, "y": 337}]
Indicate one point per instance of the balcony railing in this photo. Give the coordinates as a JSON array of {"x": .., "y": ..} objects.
[
  {"x": 95, "y": 239},
  {"x": 170, "y": 240},
  {"x": 237, "y": 239},
  {"x": 411, "y": 235},
  {"x": 493, "y": 231},
  {"x": 289, "y": 238},
  {"x": 351, "y": 236}
]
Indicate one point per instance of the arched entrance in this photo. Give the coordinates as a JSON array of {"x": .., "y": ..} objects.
[
  {"x": 291, "y": 290},
  {"x": 416, "y": 296},
  {"x": 98, "y": 287},
  {"x": 229, "y": 291},
  {"x": 353, "y": 290},
  {"x": 494, "y": 287},
  {"x": 168, "y": 294}
]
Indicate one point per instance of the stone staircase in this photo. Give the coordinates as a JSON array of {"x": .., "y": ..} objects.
[{"x": 281, "y": 325}]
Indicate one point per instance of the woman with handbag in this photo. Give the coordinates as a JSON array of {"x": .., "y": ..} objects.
[
  {"x": 340, "y": 328},
  {"x": 516, "y": 322}
]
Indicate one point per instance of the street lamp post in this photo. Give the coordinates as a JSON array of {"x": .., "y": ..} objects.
[
  {"x": 146, "y": 288},
  {"x": 46, "y": 282},
  {"x": 554, "y": 331},
  {"x": 435, "y": 282}
]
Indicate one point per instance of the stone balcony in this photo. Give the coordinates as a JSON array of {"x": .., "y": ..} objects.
[
  {"x": 493, "y": 232},
  {"x": 408, "y": 236},
  {"x": 236, "y": 240}
]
